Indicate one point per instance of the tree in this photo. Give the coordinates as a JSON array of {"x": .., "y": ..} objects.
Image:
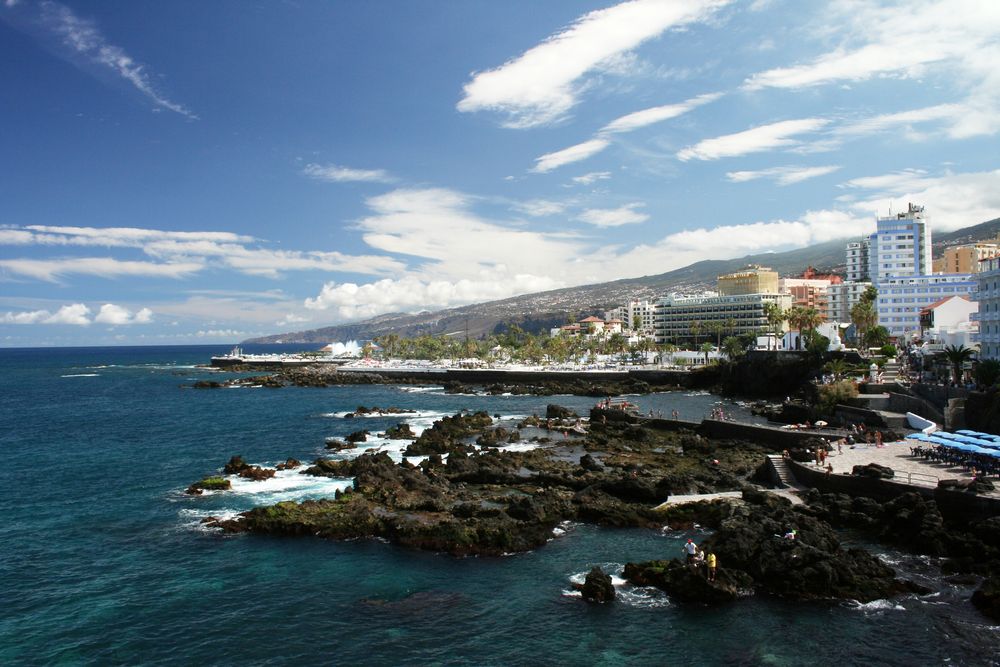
[
  {"x": 733, "y": 347},
  {"x": 863, "y": 313},
  {"x": 877, "y": 336},
  {"x": 838, "y": 368},
  {"x": 706, "y": 348},
  {"x": 957, "y": 355},
  {"x": 987, "y": 372},
  {"x": 776, "y": 317},
  {"x": 716, "y": 328},
  {"x": 696, "y": 329},
  {"x": 636, "y": 322}
]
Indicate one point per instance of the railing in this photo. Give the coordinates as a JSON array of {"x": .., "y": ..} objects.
[{"x": 916, "y": 478}]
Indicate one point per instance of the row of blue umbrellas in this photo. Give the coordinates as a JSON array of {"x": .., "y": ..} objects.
[{"x": 963, "y": 443}]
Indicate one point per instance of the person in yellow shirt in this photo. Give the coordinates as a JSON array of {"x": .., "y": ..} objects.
[{"x": 711, "y": 562}]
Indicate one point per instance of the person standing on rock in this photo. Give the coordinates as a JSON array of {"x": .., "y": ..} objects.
[
  {"x": 691, "y": 549},
  {"x": 711, "y": 562},
  {"x": 878, "y": 439}
]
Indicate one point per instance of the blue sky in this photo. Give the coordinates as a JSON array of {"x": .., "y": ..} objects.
[{"x": 203, "y": 172}]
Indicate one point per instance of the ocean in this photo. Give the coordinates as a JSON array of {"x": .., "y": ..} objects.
[{"x": 103, "y": 559}]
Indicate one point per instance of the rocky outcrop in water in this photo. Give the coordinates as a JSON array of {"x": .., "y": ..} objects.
[
  {"x": 597, "y": 586},
  {"x": 757, "y": 550},
  {"x": 237, "y": 466},
  {"x": 209, "y": 484}
]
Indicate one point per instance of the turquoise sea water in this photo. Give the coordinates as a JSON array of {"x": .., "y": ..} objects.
[{"x": 103, "y": 561}]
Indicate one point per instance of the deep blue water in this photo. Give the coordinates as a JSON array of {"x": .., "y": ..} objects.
[{"x": 102, "y": 560}]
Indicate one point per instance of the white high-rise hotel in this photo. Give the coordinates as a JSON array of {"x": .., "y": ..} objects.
[{"x": 899, "y": 263}]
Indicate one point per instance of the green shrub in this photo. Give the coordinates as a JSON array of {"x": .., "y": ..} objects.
[{"x": 831, "y": 395}]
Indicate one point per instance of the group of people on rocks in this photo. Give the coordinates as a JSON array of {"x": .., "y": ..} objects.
[
  {"x": 697, "y": 558},
  {"x": 719, "y": 413}
]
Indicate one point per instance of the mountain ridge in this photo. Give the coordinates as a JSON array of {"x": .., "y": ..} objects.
[{"x": 539, "y": 311}]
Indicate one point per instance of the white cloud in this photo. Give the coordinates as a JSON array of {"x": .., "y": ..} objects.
[
  {"x": 352, "y": 301},
  {"x": 540, "y": 208},
  {"x": 614, "y": 217},
  {"x": 542, "y": 84},
  {"x": 291, "y": 318},
  {"x": 78, "y": 314},
  {"x": 958, "y": 40},
  {"x": 50, "y": 270},
  {"x": 181, "y": 252},
  {"x": 639, "y": 119},
  {"x": 953, "y": 200},
  {"x": 117, "y": 315},
  {"x": 581, "y": 151},
  {"x": 84, "y": 40},
  {"x": 782, "y": 175},
  {"x": 592, "y": 177},
  {"x": 762, "y": 138},
  {"x": 337, "y": 174},
  {"x": 228, "y": 334}
]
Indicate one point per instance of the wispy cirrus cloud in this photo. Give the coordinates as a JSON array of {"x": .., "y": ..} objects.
[
  {"x": 179, "y": 254},
  {"x": 51, "y": 270},
  {"x": 581, "y": 151},
  {"x": 592, "y": 177},
  {"x": 627, "y": 123},
  {"x": 541, "y": 85},
  {"x": 754, "y": 140},
  {"x": 81, "y": 41},
  {"x": 338, "y": 174},
  {"x": 645, "y": 117},
  {"x": 782, "y": 175}
]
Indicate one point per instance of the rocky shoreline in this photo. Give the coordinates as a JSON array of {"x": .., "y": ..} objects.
[{"x": 470, "y": 499}]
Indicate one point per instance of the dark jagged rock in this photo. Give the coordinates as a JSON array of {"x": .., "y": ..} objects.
[
  {"x": 289, "y": 464},
  {"x": 597, "y": 587},
  {"x": 449, "y": 434},
  {"x": 400, "y": 432},
  {"x": 209, "y": 484},
  {"x": 987, "y": 598},
  {"x": 357, "y": 436},
  {"x": 553, "y": 411},
  {"x": 361, "y": 411},
  {"x": 874, "y": 471},
  {"x": 589, "y": 463},
  {"x": 337, "y": 444},
  {"x": 237, "y": 466},
  {"x": 207, "y": 384},
  {"x": 690, "y": 584}
]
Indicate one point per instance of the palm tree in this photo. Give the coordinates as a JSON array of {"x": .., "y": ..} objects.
[
  {"x": 863, "y": 314},
  {"x": 706, "y": 348},
  {"x": 716, "y": 328},
  {"x": 810, "y": 319},
  {"x": 795, "y": 318},
  {"x": 838, "y": 368},
  {"x": 733, "y": 347},
  {"x": 958, "y": 355},
  {"x": 776, "y": 316},
  {"x": 696, "y": 329}
]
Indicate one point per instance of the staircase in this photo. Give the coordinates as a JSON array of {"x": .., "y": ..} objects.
[
  {"x": 890, "y": 372},
  {"x": 785, "y": 478}
]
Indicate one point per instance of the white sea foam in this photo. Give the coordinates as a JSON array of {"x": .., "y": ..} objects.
[
  {"x": 422, "y": 390},
  {"x": 81, "y": 375},
  {"x": 285, "y": 485},
  {"x": 643, "y": 597},
  {"x": 875, "y": 605}
]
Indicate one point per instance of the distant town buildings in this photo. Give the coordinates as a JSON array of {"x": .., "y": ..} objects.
[
  {"x": 965, "y": 258},
  {"x": 912, "y": 300}
]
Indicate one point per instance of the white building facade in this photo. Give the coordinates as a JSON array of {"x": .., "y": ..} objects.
[
  {"x": 841, "y": 298},
  {"x": 681, "y": 319},
  {"x": 857, "y": 261},
  {"x": 900, "y": 299},
  {"x": 988, "y": 296},
  {"x": 900, "y": 246},
  {"x": 644, "y": 310}
]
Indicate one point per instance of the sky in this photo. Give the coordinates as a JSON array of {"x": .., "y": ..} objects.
[{"x": 191, "y": 172}]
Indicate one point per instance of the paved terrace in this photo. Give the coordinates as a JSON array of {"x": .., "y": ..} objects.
[{"x": 908, "y": 469}]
